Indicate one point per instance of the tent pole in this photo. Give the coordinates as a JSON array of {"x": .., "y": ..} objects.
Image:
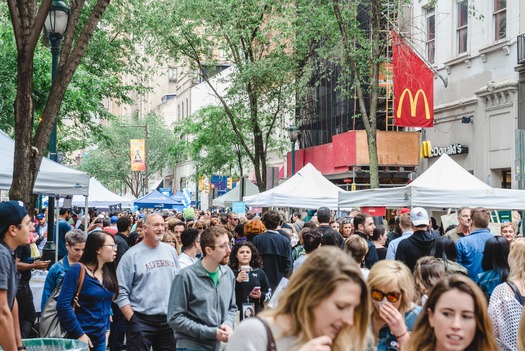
[
  {"x": 57, "y": 239},
  {"x": 86, "y": 216}
]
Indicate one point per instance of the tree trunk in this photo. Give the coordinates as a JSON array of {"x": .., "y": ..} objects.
[
  {"x": 28, "y": 24},
  {"x": 26, "y": 161}
]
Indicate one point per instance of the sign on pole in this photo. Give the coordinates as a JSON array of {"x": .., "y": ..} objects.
[{"x": 137, "y": 154}]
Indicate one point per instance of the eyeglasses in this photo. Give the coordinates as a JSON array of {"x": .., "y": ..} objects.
[
  {"x": 392, "y": 296},
  {"x": 234, "y": 219},
  {"x": 113, "y": 246}
]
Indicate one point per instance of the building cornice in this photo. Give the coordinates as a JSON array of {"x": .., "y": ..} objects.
[{"x": 498, "y": 95}]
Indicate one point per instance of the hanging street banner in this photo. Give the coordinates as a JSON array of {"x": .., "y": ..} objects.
[
  {"x": 136, "y": 147},
  {"x": 413, "y": 87}
]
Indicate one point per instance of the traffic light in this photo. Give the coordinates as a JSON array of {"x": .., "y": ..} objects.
[
  {"x": 207, "y": 187},
  {"x": 201, "y": 183},
  {"x": 229, "y": 182}
]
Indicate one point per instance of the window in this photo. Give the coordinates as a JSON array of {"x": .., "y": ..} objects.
[
  {"x": 183, "y": 109},
  {"x": 462, "y": 26},
  {"x": 431, "y": 35},
  {"x": 187, "y": 108},
  {"x": 500, "y": 19},
  {"x": 172, "y": 74}
]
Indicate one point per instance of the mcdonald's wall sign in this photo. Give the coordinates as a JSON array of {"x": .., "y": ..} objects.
[
  {"x": 427, "y": 151},
  {"x": 413, "y": 87}
]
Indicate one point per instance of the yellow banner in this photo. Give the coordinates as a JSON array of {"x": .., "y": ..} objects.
[{"x": 137, "y": 153}]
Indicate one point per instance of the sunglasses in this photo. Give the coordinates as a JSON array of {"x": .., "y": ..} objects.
[{"x": 392, "y": 296}]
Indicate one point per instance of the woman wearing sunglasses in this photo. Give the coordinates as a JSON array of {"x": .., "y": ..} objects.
[{"x": 394, "y": 314}]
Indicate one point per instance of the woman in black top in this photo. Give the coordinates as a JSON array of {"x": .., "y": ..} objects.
[{"x": 251, "y": 286}]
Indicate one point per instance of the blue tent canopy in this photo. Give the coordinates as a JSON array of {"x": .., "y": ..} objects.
[
  {"x": 156, "y": 199},
  {"x": 178, "y": 196}
]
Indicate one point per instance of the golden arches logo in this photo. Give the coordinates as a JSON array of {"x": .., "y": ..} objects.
[
  {"x": 413, "y": 103},
  {"x": 426, "y": 149}
]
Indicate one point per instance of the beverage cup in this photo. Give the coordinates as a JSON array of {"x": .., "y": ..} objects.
[{"x": 246, "y": 269}]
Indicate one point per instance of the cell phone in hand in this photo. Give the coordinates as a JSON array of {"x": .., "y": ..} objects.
[{"x": 256, "y": 290}]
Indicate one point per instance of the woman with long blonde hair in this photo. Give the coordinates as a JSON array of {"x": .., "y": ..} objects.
[{"x": 325, "y": 304}]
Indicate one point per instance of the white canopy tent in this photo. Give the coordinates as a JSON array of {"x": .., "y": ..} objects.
[
  {"x": 99, "y": 196},
  {"x": 307, "y": 189},
  {"x": 444, "y": 184},
  {"x": 52, "y": 178},
  {"x": 234, "y": 194}
]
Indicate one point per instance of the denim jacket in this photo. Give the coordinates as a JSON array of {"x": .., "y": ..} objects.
[{"x": 387, "y": 341}]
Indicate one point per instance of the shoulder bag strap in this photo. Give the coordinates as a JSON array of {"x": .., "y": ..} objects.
[
  {"x": 516, "y": 291},
  {"x": 79, "y": 286},
  {"x": 271, "y": 341}
]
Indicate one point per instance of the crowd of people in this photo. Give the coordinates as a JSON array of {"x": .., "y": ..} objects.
[{"x": 206, "y": 281}]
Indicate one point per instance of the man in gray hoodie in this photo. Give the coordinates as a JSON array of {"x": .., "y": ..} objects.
[{"x": 202, "y": 305}]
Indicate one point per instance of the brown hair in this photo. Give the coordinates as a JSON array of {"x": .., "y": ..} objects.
[
  {"x": 210, "y": 235},
  {"x": 356, "y": 247},
  {"x": 480, "y": 217},
  {"x": 423, "y": 338},
  {"x": 428, "y": 271}
]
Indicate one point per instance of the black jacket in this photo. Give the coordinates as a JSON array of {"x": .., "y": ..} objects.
[
  {"x": 416, "y": 246},
  {"x": 371, "y": 256}
]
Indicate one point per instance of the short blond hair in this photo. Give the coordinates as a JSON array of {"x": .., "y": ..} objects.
[{"x": 389, "y": 273}]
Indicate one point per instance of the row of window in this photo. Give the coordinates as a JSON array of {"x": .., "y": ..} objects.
[{"x": 499, "y": 19}]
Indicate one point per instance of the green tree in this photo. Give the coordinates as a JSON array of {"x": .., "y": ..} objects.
[
  {"x": 208, "y": 140},
  {"x": 353, "y": 35},
  {"x": 109, "y": 160},
  {"x": 86, "y": 75},
  {"x": 255, "y": 37}
]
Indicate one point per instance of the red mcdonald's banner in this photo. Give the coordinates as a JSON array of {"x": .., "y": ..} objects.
[{"x": 413, "y": 87}]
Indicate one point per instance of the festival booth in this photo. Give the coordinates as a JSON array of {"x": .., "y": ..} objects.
[
  {"x": 445, "y": 184},
  {"x": 100, "y": 197},
  {"x": 180, "y": 199},
  {"x": 52, "y": 179},
  {"x": 233, "y": 195},
  {"x": 307, "y": 189},
  {"x": 156, "y": 199}
]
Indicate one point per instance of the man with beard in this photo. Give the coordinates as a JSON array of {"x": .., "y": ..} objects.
[
  {"x": 142, "y": 273},
  {"x": 364, "y": 227},
  {"x": 202, "y": 304}
]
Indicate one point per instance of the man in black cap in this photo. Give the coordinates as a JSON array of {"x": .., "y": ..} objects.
[{"x": 14, "y": 231}]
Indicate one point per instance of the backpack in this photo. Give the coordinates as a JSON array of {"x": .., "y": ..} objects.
[{"x": 50, "y": 326}]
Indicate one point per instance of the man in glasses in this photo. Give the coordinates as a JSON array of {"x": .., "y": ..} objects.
[{"x": 202, "y": 304}]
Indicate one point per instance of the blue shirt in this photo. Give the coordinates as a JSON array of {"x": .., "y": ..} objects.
[
  {"x": 53, "y": 278},
  {"x": 92, "y": 316},
  {"x": 488, "y": 280},
  {"x": 392, "y": 247},
  {"x": 63, "y": 228},
  {"x": 386, "y": 341},
  {"x": 470, "y": 251}
]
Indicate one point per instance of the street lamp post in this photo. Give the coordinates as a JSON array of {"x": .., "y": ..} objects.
[
  {"x": 294, "y": 135},
  {"x": 56, "y": 25}
]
